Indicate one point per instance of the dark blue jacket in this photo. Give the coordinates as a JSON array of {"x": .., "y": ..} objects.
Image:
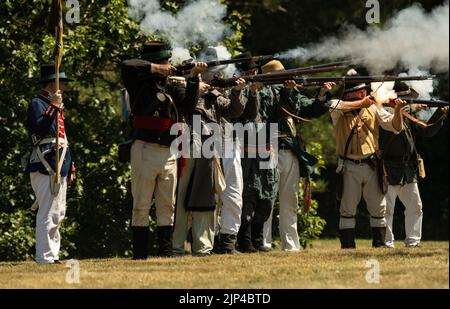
[{"x": 39, "y": 123}]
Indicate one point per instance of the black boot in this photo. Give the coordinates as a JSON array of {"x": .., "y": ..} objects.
[
  {"x": 227, "y": 243},
  {"x": 347, "y": 238},
  {"x": 164, "y": 240},
  {"x": 244, "y": 239},
  {"x": 258, "y": 236},
  {"x": 216, "y": 248},
  {"x": 140, "y": 242},
  {"x": 378, "y": 237}
]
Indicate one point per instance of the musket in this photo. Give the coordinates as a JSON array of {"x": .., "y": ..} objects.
[
  {"x": 428, "y": 103},
  {"x": 318, "y": 68},
  {"x": 189, "y": 66},
  {"x": 360, "y": 79},
  {"x": 278, "y": 77}
]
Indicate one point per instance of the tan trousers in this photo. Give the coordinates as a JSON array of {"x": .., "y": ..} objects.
[
  {"x": 202, "y": 221},
  {"x": 153, "y": 171},
  {"x": 410, "y": 197},
  {"x": 360, "y": 180},
  {"x": 289, "y": 178}
]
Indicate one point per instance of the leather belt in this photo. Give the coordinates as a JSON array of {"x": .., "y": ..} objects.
[{"x": 367, "y": 160}]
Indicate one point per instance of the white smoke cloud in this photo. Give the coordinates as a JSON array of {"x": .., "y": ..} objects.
[
  {"x": 412, "y": 38},
  {"x": 198, "y": 22},
  {"x": 423, "y": 87},
  {"x": 180, "y": 54},
  {"x": 222, "y": 54},
  {"x": 295, "y": 53}
]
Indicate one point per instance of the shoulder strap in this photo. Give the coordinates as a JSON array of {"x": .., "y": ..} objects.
[{"x": 352, "y": 132}]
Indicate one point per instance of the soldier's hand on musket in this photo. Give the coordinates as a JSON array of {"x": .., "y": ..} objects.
[
  {"x": 57, "y": 98},
  {"x": 199, "y": 68},
  {"x": 163, "y": 70},
  {"x": 367, "y": 102},
  {"x": 327, "y": 87},
  {"x": 290, "y": 84},
  {"x": 256, "y": 86},
  {"x": 203, "y": 87},
  {"x": 445, "y": 110},
  {"x": 399, "y": 103},
  {"x": 240, "y": 84}
]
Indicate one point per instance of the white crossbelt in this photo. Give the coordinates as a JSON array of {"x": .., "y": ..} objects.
[{"x": 51, "y": 172}]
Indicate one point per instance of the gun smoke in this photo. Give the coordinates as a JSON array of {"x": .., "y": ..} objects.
[
  {"x": 197, "y": 23},
  {"x": 412, "y": 39}
]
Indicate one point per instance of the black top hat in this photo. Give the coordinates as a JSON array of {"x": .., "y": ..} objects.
[
  {"x": 352, "y": 87},
  {"x": 404, "y": 91},
  {"x": 156, "y": 51},
  {"x": 246, "y": 66},
  {"x": 48, "y": 74}
]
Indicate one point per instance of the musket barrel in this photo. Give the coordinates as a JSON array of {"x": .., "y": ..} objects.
[
  {"x": 189, "y": 66},
  {"x": 429, "y": 103}
]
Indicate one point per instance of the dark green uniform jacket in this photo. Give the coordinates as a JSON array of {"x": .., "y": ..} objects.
[{"x": 295, "y": 103}]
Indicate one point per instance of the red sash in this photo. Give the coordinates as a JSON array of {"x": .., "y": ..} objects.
[{"x": 152, "y": 123}]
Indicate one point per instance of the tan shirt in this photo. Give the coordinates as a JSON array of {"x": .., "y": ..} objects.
[{"x": 365, "y": 141}]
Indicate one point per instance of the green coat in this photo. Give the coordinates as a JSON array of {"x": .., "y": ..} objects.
[
  {"x": 297, "y": 104},
  {"x": 262, "y": 181}
]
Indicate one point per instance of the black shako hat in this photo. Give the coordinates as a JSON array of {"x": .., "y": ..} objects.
[
  {"x": 48, "y": 74},
  {"x": 404, "y": 91},
  {"x": 156, "y": 51},
  {"x": 245, "y": 66}
]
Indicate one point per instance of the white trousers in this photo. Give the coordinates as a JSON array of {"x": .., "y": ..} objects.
[
  {"x": 289, "y": 178},
  {"x": 409, "y": 195},
  {"x": 51, "y": 212},
  {"x": 267, "y": 232},
  {"x": 231, "y": 209}
]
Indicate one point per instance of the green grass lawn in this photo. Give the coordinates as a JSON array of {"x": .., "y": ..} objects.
[{"x": 323, "y": 265}]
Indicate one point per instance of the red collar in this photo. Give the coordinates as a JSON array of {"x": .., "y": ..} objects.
[{"x": 46, "y": 94}]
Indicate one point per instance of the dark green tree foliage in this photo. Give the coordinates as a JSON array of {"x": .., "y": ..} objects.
[{"x": 99, "y": 205}]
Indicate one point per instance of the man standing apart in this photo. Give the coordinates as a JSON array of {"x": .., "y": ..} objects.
[{"x": 43, "y": 115}]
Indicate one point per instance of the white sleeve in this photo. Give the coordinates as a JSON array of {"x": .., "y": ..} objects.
[
  {"x": 384, "y": 118},
  {"x": 335, "y": 113}
]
